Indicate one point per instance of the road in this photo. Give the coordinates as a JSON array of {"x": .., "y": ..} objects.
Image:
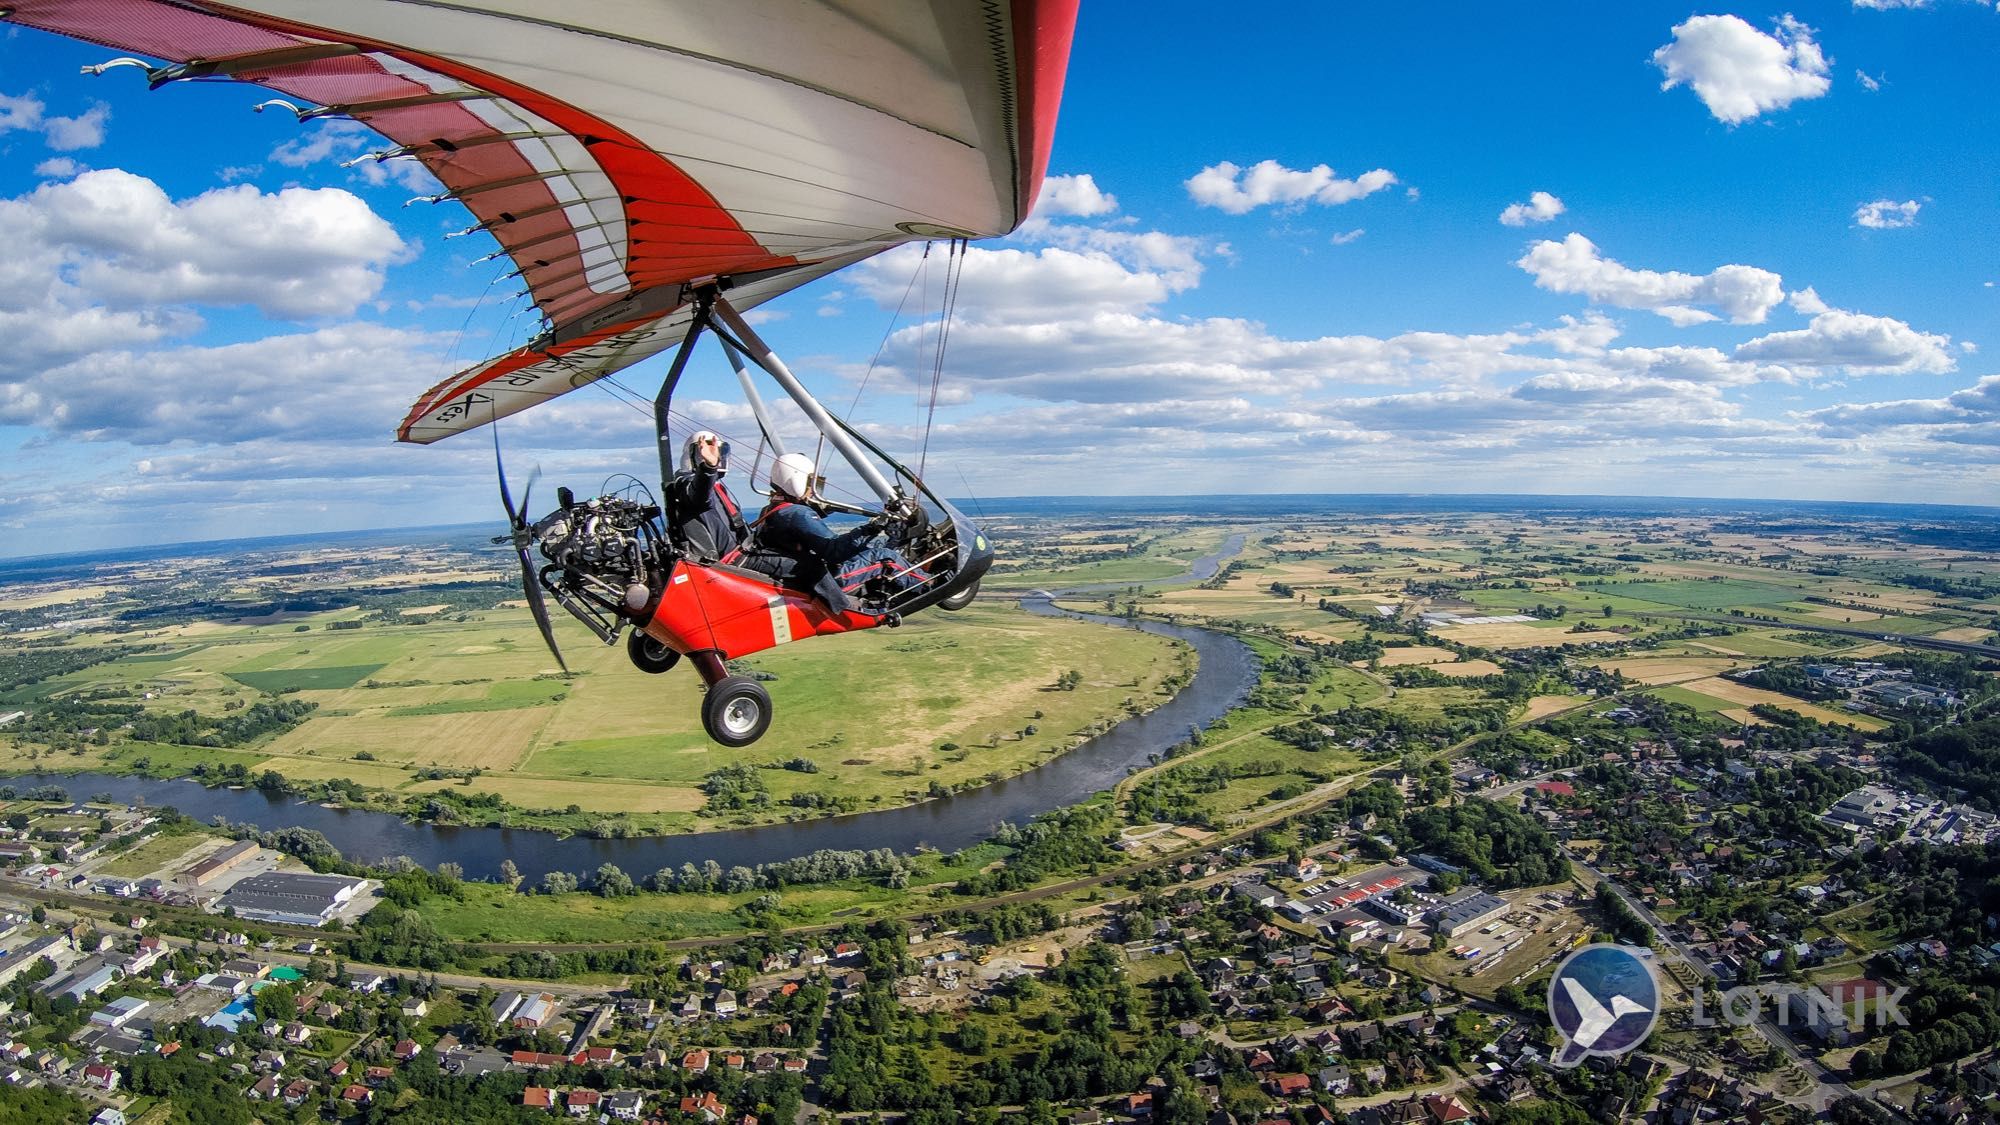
[{"x": 1826, "y": 1088}]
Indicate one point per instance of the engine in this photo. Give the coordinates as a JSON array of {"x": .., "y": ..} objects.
[{"x": 604, "y": 538}]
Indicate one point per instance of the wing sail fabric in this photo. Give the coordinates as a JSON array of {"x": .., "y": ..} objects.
[{"x": 618, "y": 149}]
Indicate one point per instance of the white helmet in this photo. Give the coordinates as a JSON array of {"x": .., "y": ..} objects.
[
  {"x": 792, "y": 475},
  {"x": 691, "y": 452}
]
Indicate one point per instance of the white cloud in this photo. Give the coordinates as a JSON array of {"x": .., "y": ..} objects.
[
  {"x": 337, "y": 141},
  {"x": 349, "y": 381},
  {"x": 1891, "y": 5},
  {"x": 1853, "y": 342},
  {"x": 1868, "y": 83},
  {"x": 64, "y": 134},
  {"x": 1739, "y": 72},
  {"x": 58, "y": 168},
  {"x": 1887, "y": 214},
  {"x": 1745, "y": 294},
  {"x": 1076, "y": 195},
  {"x": 1540, "y": 208},
  {"x": 1346, "y": 237},
  {"x": 121, "y": 241},
  {"x": 85, "y": 130},
  {"x": 1240, "y": 190}
]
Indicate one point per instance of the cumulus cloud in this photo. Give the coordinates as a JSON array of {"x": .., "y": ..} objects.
[
  {"x": 1242, "y": 190},
  {"x": 1739, "y": 72},
  {"x": 1076, "y": 195},
  {"x": 122, "y": 241},
  {"x": 349, "y": 381},
  {"x": 1849, "y": 341},
  {"x": 337, "y": 141},
  {"x": 1744, "y": 294},
  {"x": 1887, "y": 214},
  {"x": 28, "y": 113},
  {"x": 58, "y": 168},
  {"x": 1540, "y": 208}
]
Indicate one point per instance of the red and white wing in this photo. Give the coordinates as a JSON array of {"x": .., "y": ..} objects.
[{"x": 618, "y": 149}]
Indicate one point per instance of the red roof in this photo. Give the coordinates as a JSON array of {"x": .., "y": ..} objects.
[
  {"x": 584, "y": 1097},
  {"x": 538, "y": 1097},
  {"x": 1557, "y": 788},
  {"x": 1293, "y": 1083},
  {"x": 357, "y": 1093}
]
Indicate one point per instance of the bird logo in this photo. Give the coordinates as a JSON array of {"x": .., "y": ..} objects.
[{"x": 1604, "y": 1000}]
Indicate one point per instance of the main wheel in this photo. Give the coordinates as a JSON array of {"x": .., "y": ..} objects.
[
  {"x": 649, "y": 655},
  {"x": 737, "y": 711},
  {"x": 961, "y": 599}
]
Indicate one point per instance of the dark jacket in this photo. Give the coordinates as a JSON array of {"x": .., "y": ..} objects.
[
  {"x": 706, "y": 517},
  {"x": 797, "y": 532}
]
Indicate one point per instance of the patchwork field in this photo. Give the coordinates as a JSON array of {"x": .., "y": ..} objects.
[{"x": 1729, "y": 691}]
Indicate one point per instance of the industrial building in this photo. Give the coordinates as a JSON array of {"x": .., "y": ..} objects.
[
  {"x": 1466, "y": 910},
  {"x": 291, "y": 899},
  {"x": 208, "y": 870}
]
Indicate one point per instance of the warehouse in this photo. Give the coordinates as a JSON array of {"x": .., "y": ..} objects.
[{"x": 291, "y": 899}]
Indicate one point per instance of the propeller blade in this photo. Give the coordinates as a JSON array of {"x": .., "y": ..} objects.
[
  {"x": 540, "y": 608},
  {"x": 516, "y": 518}
]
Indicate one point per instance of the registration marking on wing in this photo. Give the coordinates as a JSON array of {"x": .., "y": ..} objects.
[{"x": 781, "y": 622}]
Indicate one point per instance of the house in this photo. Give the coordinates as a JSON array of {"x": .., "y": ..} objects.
[
  {"x": 1446, "y": 1109},
  {"x": 416, "y": 1009},
  {"x": 535, "y": 1012},
  {"x": 708, "y": 1106},
  {"x": 358, "y": 1095},
  {"x": 1335, "y": 1079},
  {"x": 583, "y": 1103},
  {"x": 600, "y": 1056},
  {"x": 624, "y": 1105},
  {"x": 108, "y": 1116},
  {"x": 297, "y": 1092},
  {"x": 101, "y": 1076},
  {"x": 1290, "y": 1085},
  {"x": 845, "y": 950},
  {"x": 538, "y": 1097},
  {"x": 297, "y": 1033},
  {"x": 367, "y": 982},
  {"x": 725, "y": 1003},
  {"x": 406, "y": 1049},
  {"x": 696, "y": 1061},
  {"x": 265, "y": 1090}
]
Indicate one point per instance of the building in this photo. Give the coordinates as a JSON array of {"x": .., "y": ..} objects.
[
  {"x": 87, "y": 979},
  {"x": 221, "y": 863},
  {"x": 1465, "y": 911},
  {"x": 291, "y": 898},
  {"x": 120, "y": 1012}
]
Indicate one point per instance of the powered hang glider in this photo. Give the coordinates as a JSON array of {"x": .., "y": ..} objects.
[{"x": 654, "y": 168}]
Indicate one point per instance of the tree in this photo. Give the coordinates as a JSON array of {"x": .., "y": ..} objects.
[
  {"x": 558, "y": 883},
  {"x": 510, "y": 874},
  {"x": 613, "y": 883}
]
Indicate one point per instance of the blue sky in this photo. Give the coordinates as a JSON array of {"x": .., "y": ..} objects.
[{"x": 1568, "y": 248}]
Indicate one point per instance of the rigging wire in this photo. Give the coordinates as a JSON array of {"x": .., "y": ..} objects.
[{"x": 954, "y": 274}]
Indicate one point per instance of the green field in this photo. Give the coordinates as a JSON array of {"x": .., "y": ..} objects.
[
  {"x": 499, "y": 697},
  {"x": 1706, "y": 704},
  {"x": 306, "y": 679},
  {"x": 150, "y": 855},
  {"x": 1703, "y": 594}
]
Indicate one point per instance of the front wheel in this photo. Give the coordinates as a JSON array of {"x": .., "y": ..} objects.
[
  {"x": 649, "y": 655},
  {"x": 737, "y": 711},
  {"x": 961, "y": 599}
]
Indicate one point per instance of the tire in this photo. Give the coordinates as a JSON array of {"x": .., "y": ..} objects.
[
  {"x": 961, "y": 599},
  {"x": 737, "y": 711},
  {"x": 649, "y": 655}
]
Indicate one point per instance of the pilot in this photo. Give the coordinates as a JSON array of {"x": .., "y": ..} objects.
[
  {"x": 833, "y": 566},
  {"x": 706, "y": 517}
]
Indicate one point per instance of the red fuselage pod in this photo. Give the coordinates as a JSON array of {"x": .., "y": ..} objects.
[{"x": 736, "y": 612}]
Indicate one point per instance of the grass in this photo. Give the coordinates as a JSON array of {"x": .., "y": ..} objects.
[
  {"x": 1706, "y": 704},
  {"x": 280, "y": 680},
  {"x": 505, "y": 696},
  {"x": 151, "y": 855}
]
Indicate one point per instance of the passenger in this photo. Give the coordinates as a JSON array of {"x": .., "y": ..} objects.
[
  {"x": 706, "y": 517},
  {"x": 832, "y": 566}
]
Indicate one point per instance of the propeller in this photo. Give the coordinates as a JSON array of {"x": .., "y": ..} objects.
[{"x": 523, "y": 537}]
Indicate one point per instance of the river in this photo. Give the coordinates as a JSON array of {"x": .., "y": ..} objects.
[{"x": 1227, "y": 671}]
